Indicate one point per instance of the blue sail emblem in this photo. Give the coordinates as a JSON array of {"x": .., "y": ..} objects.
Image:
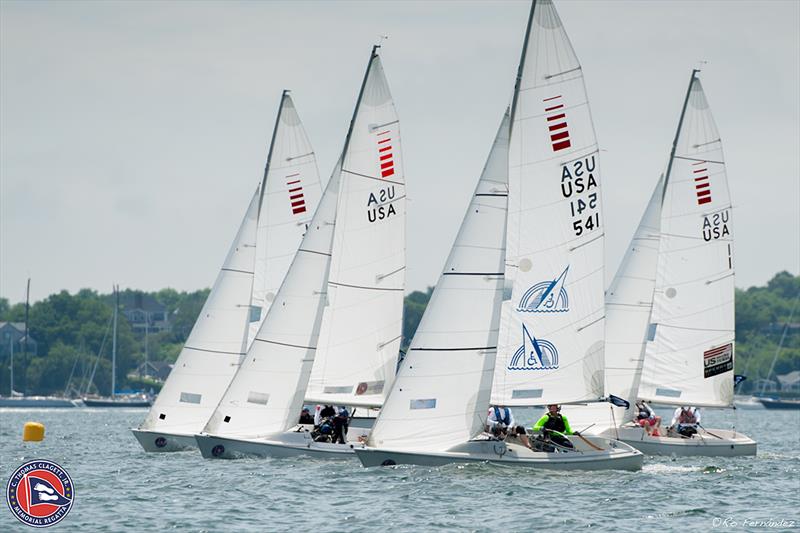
[
  {"x": 534, "y": 354},
  {"x": 546, "y": 297}
]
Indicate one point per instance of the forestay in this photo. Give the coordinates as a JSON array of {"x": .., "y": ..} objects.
[
  {"x": 552, "y": 328},
  {"x": 442, "y": 389},
  {"x": 362, "y": 324},
  {"x": 291, "y": 194},
  {"x": 629, "y": 301},
  {"x": 265, "y": 243},
  {"x": 689, "y": 359},
  {"x": 266, "y": 393}
]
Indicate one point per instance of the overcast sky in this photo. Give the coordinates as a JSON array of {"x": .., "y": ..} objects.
[{"x": 133, "y": 133}]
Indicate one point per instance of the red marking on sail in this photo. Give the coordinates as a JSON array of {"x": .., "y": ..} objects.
[
  {"x": 700, "y": 162},
  {"x": 383, "y": 132},
  {"x": 702, "y": 187},
  {"x": 560, "y": 139},
  {"x": 296, "y": 196},
  {"x": 385, "y": 156},
  {"x": 699, "y": 170}
]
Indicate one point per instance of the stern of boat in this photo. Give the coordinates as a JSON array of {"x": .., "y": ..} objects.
[{"x": 155, "y": 441}]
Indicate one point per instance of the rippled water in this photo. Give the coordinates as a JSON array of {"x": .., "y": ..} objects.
[{"x": 119, "y": 487}]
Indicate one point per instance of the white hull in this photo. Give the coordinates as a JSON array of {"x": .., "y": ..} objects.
[
  {"x": 29, "y": 402},
  {"x": 615, "y": 456},
  {"x": 726, "y": 443},
  {"x": 747, "y": 402},
  {"x": 156, "y": 441},
  {"x": 292, "y": 444}
]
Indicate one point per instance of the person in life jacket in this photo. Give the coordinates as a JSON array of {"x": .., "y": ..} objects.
[
  {"x": 648, "y": 419},
  {"x": 500, "y": 423},
  {"x": 685, "y": 420},
  {"x": 555, "y": 426},
  {"x": 341, "y": 423}
]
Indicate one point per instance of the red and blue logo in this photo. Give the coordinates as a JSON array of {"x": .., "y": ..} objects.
[{"x": 40, "y": 493}]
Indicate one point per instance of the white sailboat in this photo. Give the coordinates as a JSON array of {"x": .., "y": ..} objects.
[
  {"x": 244, "y": 290},
  {"x": 340, "y": 346},
  {"x": 545, "y": 344},
  {"x": 673, "y": 298}
]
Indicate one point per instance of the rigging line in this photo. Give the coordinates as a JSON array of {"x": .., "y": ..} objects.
[
  {"x": 214, "y": 351},
  {"x": 392, "y": 273},
  {"x": 473, "y": 274},
  {"x": 452, "y": 349},
  {"x": 286, "y": 344},
  {"x": 336, "y": 284},
  {"x": 694, "y": 329},
  {"x": 235, "y": 270},
  {"x": 299, "y": 156},
  {"x": 703, "y": 160},
  {"x": 313, "y": 252},
  {"x": 381, "y": 180}
]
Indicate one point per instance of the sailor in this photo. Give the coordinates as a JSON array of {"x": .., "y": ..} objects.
[
  {"x": 340, "y": 425},
  {"x": 648, "y": 419},
  {"x": 323, "y": 412},
  {"x": 305, "y": 416},
  {"x": 556, "y": 426},
  {"x": 500, "y": 423},
  {"x": 685, "y": 420}
]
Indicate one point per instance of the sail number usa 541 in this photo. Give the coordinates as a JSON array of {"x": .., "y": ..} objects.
[{"x": 579, "y": 186}]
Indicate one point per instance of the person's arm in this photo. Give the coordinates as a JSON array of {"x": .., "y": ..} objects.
[
  {"x": 540, "y": 423},
  {"x": 649, "y": 410},
  {"x": 567, "y": 429},
  {"x": 490, "y": 421},
  {"x": 511, "y": 423},
  {"x": 697, "y": 415}
]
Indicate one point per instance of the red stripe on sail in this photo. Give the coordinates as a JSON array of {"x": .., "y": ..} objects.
[
  {"x": 557, "y": 126},
  {"x": 293, "y": 175},
  {"x": 548, "y": 109},
  {"x": 559, "y": 135},
  {"x": 384, "y": 140},
  {"x": 561, "y": 145},
  {"x": 699, "y": 186},
  {"x": 386, "y": 156},
  {"x": 701, "y": 178},
  {"x": 383, "y": 132},
  {"x": 703, "y": 193},
  {"x": 388, "y": 172},
  {"x": 298, "y": 203},
  {"x": 385, "y": 148},
  {"x": 701, "y": 201},
  {"x": 387, "y": 164},
  {"x": 298, "y": 210},
  {"x": 292, "y": 182},
  {"x": 551, "y": 98},
  {"x": 296, "y": 189},
  {"x": 296, "y": 196},
  {"x": 556, "y": 117},
  {"x": 700, "y": 162},
  {"x": 699, "y": 170}
]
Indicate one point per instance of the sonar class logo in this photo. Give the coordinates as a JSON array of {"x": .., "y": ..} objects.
[
  {"x": 534, "y": 354},
  {"x": 546, "y": 297},
  {"x": 40, "y": 493}
]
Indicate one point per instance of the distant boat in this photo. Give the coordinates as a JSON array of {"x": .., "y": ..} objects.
[
  {"x": 137, "y": 400},
  {"x": 775, "y": 403}
]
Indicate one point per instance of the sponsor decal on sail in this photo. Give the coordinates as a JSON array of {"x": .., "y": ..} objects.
[
  {"x": 718, "y": 360},
  {"x": 546, "y": 296},
  {"x": 534, "y": 354}
]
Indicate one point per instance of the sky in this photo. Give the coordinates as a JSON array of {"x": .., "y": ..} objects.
[{"x": 132, "y": 134}]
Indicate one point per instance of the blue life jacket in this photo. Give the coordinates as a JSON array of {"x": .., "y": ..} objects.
[{"x": 505, "y": 419}]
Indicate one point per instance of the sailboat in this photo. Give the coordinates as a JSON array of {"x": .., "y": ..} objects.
[
  {"x": 534, "y": 222},
  {"x": 670, "y": 309},
  {"x": 255, "y": 266},
  {"x": 116, "y": 400},
  {"x": 336, "y": 337}
]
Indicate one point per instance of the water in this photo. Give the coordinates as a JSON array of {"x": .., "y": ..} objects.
[{"x": 119, "y": 487}]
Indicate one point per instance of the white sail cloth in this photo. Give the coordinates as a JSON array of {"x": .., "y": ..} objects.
[
  {"x": 441, "y": 393},
  {"x": 689, "y": 359},
  {"x": 362, "y": 324},
  {"x": 271, "y": 230},
  {"x": 291, "y": 194},
  {"x": 266, "y": 393},
  {"x": 551, "y": 338}
]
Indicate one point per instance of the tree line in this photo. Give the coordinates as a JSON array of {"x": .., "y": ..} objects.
[{"x": 72, "y": 332}]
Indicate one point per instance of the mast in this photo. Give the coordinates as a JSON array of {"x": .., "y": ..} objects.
[
  {"x": 677, "y": 134},
  {"x": 25, "y": 344},
  {"x": 11, "y": 348},
  {"x": 114, "y": 345},
  {"x": 269, "y": 154},
  {"x": 520, "y": 69},
  {"x": 372, "y": 55}
]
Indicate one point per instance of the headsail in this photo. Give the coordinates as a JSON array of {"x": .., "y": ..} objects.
[
  {"x": 442, "y": 389},
  {"x": 265, "y": 243},
  {"x": 689, "y": 359},
  {"x": 291, "y": 194},
  {"x": 362, "y": 325},
  {"x": 550, "y": 346}
]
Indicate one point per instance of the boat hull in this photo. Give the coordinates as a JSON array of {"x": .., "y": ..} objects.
[
  {"x": 771, "y": 403},
  {"x": 279, "y": 446},
  {"x": 707, "y": 445},
  {"x": 615, "y": 456},
  {"x": 88, "y": 402},
  {"x": 158, "y": 442},
  {"x": 37, "y": 402}
]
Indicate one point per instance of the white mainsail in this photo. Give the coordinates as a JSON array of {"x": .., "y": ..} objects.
[
  {"x": 441, "y": 393},
  {"x": 689, "y": 359},
  {"x": 362, "y": 325},
  {"x": 272, "y": 229},
  {"x": 550, "y": 347},
  {"x": 267, "y": 392},
  {"x": 291, "y": 194}
]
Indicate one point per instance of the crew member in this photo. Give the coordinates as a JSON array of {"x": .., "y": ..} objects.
[
  {"x": 685, "y": 420},
  {"x": 555, "y": 426}
]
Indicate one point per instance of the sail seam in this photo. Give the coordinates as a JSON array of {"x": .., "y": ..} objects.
[
  {"x": 212, "y": 351},
  {"x": 473, "y": 273},
  {"x": 382, "y": 180},
  {"x": 287, "y": 344},
  {"x": 453, "y": 349},
  {"x": 313, "y": 252},
  {"x": 336, "y": 284},
  {"x": 236, "y": 270}
]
